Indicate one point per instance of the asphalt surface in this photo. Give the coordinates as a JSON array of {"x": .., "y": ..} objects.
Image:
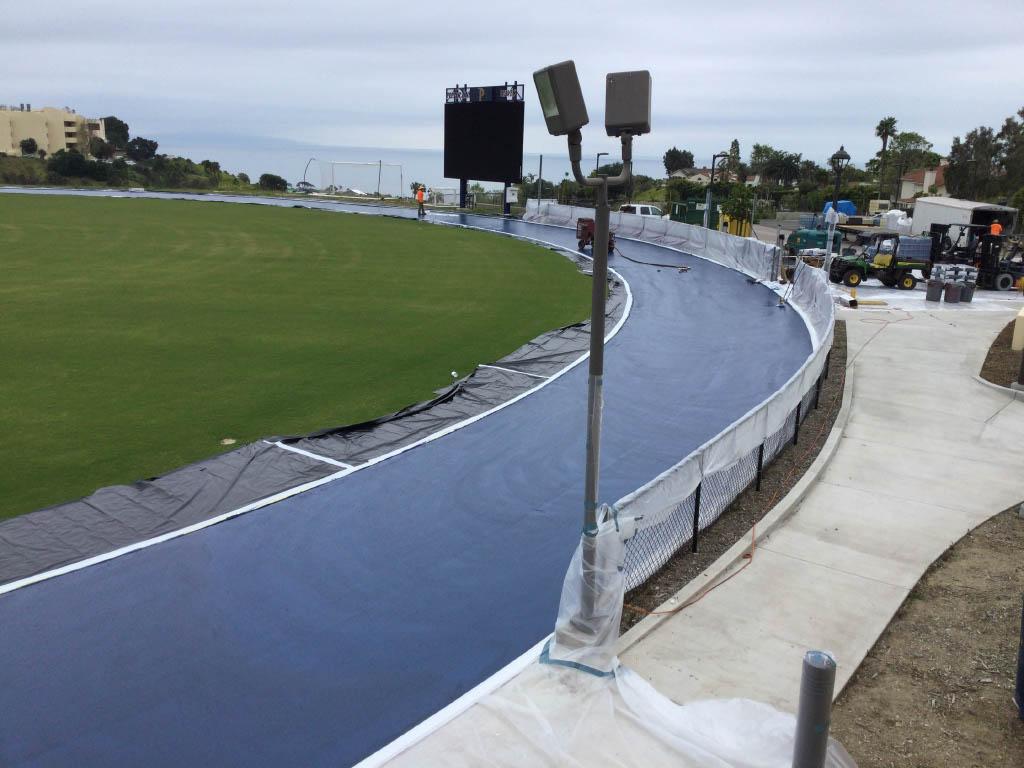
[{"x": 316, "y": 630}]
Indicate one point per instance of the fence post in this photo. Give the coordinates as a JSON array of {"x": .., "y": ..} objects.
[
  {"x": 817, "y": 392},
  {"x": 696, "y": 515},
  {"x": 760, "y": 466},
  {"x": 828, "y": 363},
  {"x": 796, "y": 427},
  {"x": 1019, "y": 698},
  {"x": 814, "y": 715}
]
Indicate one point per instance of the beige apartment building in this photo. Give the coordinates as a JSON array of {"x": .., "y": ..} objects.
[{"x": 53, "y": 129}]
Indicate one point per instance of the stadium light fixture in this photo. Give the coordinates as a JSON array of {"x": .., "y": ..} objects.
[{"x": 627, "y": 113}]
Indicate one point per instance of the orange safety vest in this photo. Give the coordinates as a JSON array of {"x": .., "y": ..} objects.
[
  {"x": 419, "y": 195},
  {"x": 996, "y": 228}
]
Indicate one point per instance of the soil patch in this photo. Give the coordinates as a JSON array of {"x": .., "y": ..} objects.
[
  {"x": 1002, "y": 364},
  {"x": 750, "y": 506},
  {"x": 937, "y": 688}
]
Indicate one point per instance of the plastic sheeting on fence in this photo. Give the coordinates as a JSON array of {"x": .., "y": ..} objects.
[{"x": 667, "y": 501}]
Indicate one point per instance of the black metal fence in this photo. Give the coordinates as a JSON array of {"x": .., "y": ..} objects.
[{"x": 653, "y": 546}]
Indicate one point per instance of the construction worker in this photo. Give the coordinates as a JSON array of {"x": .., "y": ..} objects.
[
  {"x": 996, "y": 229},
  {"x": 419, "y": 201}
]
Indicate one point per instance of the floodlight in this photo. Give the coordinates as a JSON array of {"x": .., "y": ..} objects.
[
  {"x": 627, "y": 103},
  {"x": 561, "y": 98}
]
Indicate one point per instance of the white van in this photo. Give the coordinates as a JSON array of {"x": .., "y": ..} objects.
[{"x": 642, "y": 209}]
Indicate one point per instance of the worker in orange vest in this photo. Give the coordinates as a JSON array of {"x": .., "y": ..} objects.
[
  {"x": 996, "y": 229},
  {"x": 419, "y": 200}
]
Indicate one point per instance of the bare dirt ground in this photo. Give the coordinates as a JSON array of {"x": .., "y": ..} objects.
[
  {"x": 750, "y": 506},
  {"x": 1002, "y": 364},
  {"x": 937, "y": 688}
]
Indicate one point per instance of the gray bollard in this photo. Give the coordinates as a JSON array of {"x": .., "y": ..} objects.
[{"x": 815, "y": 713}]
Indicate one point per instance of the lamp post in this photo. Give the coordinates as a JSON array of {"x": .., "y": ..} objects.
[
  {"x": 627, "y": 114},
  {"x": 597, "y": 160},
  {"x": 838, "y": 161},
  {"x": 711, "y": 184}
]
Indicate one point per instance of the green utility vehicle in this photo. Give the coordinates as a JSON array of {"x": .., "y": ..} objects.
[
  {"x": 880, "y": 259},
  {"x": 802, "y": 239}
]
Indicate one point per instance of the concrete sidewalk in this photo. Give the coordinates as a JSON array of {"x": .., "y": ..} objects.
[{"x": 928, "y": 453}]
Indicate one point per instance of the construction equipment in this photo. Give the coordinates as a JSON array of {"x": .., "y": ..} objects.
[
  {"x": 803, "y": 239},
  {"x": 585, "y": 234},
  {"x": 1000, "y": 261},
  {"x": 881, "y": 259}
]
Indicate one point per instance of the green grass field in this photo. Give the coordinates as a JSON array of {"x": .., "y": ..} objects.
[{"x": 137, "y": 334}]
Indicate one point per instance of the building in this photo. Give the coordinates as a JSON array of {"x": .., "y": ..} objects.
[
  {"x": 924, "y": 181},
  {"x": 701, "y": 176},
  {"x": 53, "y": 129}
]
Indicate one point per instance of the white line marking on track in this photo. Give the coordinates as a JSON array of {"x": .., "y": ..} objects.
[
  {"x": 512, "y": 370},
  {"x": 310, "y": 454}
]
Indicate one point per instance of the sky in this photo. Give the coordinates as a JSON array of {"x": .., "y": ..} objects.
[{"x": 804, "y": 77}]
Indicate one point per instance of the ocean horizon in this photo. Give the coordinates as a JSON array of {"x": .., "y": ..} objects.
[{"x": 290, "y": 160}]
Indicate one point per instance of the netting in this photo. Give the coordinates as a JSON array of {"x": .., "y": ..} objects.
[
  {"x": 350, "y": 179},
  {"x": 443, "y": 196}
]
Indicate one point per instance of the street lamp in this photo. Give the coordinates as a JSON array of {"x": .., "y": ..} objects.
[
  {"x": 711, "y": 183},
  {"x": 597, "y": 160},
  {"x": 627, "y": 114},
  {"x": 838, "y": 161}
]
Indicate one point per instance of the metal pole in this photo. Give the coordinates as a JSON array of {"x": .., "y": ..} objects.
[
  {"x": 796, "y": 428},
  {"x": 760, "y": 466},
  {"x": 597, "y": 161},
  {"x": 707, "y": 197},
  {"x": 380, "y": 167},
  {"x": 540, "y": 181},
  {"x": 814, "y": 716},
  {"x": 595, "y": 384},
  {"x": 595, "y": 380},
  {"x": 696, "y": 515},
  {"x": 1020, "y": 375}
]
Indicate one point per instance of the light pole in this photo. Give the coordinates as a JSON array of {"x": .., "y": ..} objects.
[
  {"x": 627, "y": 114},
  {"x": 838, "y": 161},
  {"x": 597, "y": 160},
  {"x": 708, "y": 198}
]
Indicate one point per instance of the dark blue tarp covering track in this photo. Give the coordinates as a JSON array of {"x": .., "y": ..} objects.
[{"x": 316, "y": 630}]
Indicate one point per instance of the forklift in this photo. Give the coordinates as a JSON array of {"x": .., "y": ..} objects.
[{"x": 1000, "y": 262}]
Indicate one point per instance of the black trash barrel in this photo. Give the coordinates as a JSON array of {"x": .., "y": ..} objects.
[
  {"x": 953, "y": 291},
  {"x": 934, "y": 291}
]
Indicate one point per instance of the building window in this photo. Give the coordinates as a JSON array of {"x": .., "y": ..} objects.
[{"x": 69, "y": 123}]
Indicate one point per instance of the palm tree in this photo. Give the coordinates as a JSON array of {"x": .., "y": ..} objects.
[{"x": 885, "y": 130}]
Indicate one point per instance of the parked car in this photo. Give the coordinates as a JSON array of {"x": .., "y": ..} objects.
[{"x": 642, "y": 209}]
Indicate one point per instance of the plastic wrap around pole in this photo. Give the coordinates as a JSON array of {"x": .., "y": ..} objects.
[{"x": 815, "y": 713}]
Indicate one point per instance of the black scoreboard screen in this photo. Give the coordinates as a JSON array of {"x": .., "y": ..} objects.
[{"x": 483, "y": 141}]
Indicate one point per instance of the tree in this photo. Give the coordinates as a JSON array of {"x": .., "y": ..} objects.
[
  {"x": 41, "y": 153},
  {"x": 885, "y": 130},
  {"x": 28, "y": 146},
  {"x": 415, "y": 186},
  {"x": 734, "y": 162},
  {"x": 738, "y": 204},
  {"x": 100, "y": 149},
  {"x": 139, "y": 149},
  {"x": 677, "y": 160},
  {"x": 273, "y": 182},
  {"x": 244, "y": 178},
  {"x": 117, "y": 131}
]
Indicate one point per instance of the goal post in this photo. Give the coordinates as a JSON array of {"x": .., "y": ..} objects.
[{"x": 360, "y": 179}]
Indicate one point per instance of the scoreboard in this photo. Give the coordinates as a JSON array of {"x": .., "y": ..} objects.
[{"x": 483, "y": 133}]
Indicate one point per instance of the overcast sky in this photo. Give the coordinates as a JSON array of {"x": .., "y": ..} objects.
[{"x": 801, "y": 76}]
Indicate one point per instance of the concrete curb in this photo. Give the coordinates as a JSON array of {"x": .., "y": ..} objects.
[
  {"x": 733, "y": 556},
  {"x": 1013, "y": 394}
]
